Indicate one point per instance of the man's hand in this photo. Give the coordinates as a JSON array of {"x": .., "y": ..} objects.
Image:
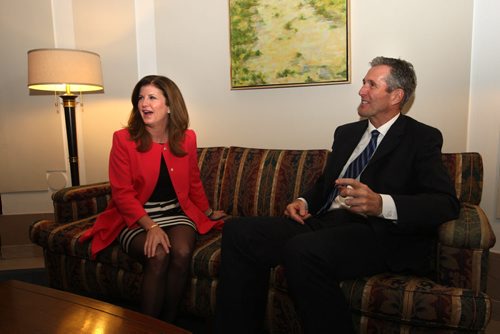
[
  {"x": 362, "y": 199},
  {"x": 297, "y": 210}
]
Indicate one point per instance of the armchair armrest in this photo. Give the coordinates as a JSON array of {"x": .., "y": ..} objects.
[
  {"x": 80, "y": 202},
  {"x": 463, "y": 249}
]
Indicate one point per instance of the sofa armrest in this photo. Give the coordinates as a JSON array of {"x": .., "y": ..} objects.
[
  {"x": 80, "y": 202},
  {"x": 463, "y": 249}
]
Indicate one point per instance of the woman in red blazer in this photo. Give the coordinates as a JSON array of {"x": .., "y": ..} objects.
[{"x": 158, "y": 201}]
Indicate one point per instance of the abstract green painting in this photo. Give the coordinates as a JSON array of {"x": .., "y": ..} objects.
[{"x": 276, "y": 43}]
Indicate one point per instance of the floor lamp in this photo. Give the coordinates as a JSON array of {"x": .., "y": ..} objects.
[{"x": 66, "y": 71}]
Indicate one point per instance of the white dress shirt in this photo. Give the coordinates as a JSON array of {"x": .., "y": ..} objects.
[{"x": 388, "y": 206}]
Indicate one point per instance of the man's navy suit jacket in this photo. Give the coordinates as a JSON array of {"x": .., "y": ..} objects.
[{"x": 406, "y": 165}]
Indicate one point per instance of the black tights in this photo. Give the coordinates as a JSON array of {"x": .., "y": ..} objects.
[{"x": 165, "y": 275}]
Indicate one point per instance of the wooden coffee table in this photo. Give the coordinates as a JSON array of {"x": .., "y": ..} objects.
[{"x": 29, "y": 308}]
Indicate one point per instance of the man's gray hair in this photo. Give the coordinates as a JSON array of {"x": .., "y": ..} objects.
[{"x": 402, "y": 76}]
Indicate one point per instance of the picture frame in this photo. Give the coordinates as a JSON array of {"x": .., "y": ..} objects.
[{"x": 283, "y": 43}]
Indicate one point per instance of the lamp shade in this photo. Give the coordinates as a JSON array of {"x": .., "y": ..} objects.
[{"x": 64, "y": 70}]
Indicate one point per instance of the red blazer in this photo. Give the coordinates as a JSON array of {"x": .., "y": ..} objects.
[{"x": 133, "y": 177}]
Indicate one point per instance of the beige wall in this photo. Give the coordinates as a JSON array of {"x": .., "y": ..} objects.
[
  {"x": 304, "y": 117},
  {"x": 112, "y": 35},
  {"x": 30, "y": 130},
  {"x": 189, "y": 43},
  {"x": 484, "y": 118}
]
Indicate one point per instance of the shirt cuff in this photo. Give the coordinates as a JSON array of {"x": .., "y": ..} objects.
[
  {"x": 389, "y": 210},
  {"x": 304, "y": 200}
]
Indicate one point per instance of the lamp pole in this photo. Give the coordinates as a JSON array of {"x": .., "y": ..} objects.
[{"x": 69, "y": 104}]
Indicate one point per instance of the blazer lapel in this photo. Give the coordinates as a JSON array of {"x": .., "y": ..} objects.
[{"x": 391, "y": 139}]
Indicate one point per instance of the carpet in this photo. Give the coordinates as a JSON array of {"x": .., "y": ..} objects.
[{"x": 34, "y": 276}]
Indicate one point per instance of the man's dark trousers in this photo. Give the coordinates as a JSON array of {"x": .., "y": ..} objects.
[{"x": 317, "y": 256}]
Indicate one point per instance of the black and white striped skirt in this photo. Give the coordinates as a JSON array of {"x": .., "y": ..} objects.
[{"x": 168, "y": 213}]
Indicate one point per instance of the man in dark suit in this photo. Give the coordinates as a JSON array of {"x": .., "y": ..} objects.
[{"x": 358, "y": 219}]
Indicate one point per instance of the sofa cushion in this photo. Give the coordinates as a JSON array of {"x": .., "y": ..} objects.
[
  {"x": 63, "y": 239},
  {"x": 466, "y": 172},
  {"x": 211, "y": 164},
  {"x": 260, "y": 182}
]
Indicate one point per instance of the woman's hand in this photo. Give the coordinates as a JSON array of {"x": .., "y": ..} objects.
[
  {"x": 217, "y": 215},
  {"x": 154, "y": 236}
]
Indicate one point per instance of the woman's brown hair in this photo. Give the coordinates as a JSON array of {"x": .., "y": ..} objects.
[{"x": 178, "y": 119}]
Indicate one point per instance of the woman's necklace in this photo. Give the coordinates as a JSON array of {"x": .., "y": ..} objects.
[{"x": 162, "y": 141}]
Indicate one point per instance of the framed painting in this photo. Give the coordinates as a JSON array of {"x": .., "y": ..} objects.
[{"x": 279, "y": 43}]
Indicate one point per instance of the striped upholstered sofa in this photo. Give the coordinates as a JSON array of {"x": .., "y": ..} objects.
[{"x": 245, "y": 181}]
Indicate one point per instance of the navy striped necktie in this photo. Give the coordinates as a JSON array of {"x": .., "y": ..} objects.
[{"x": 354, "y": 169}]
